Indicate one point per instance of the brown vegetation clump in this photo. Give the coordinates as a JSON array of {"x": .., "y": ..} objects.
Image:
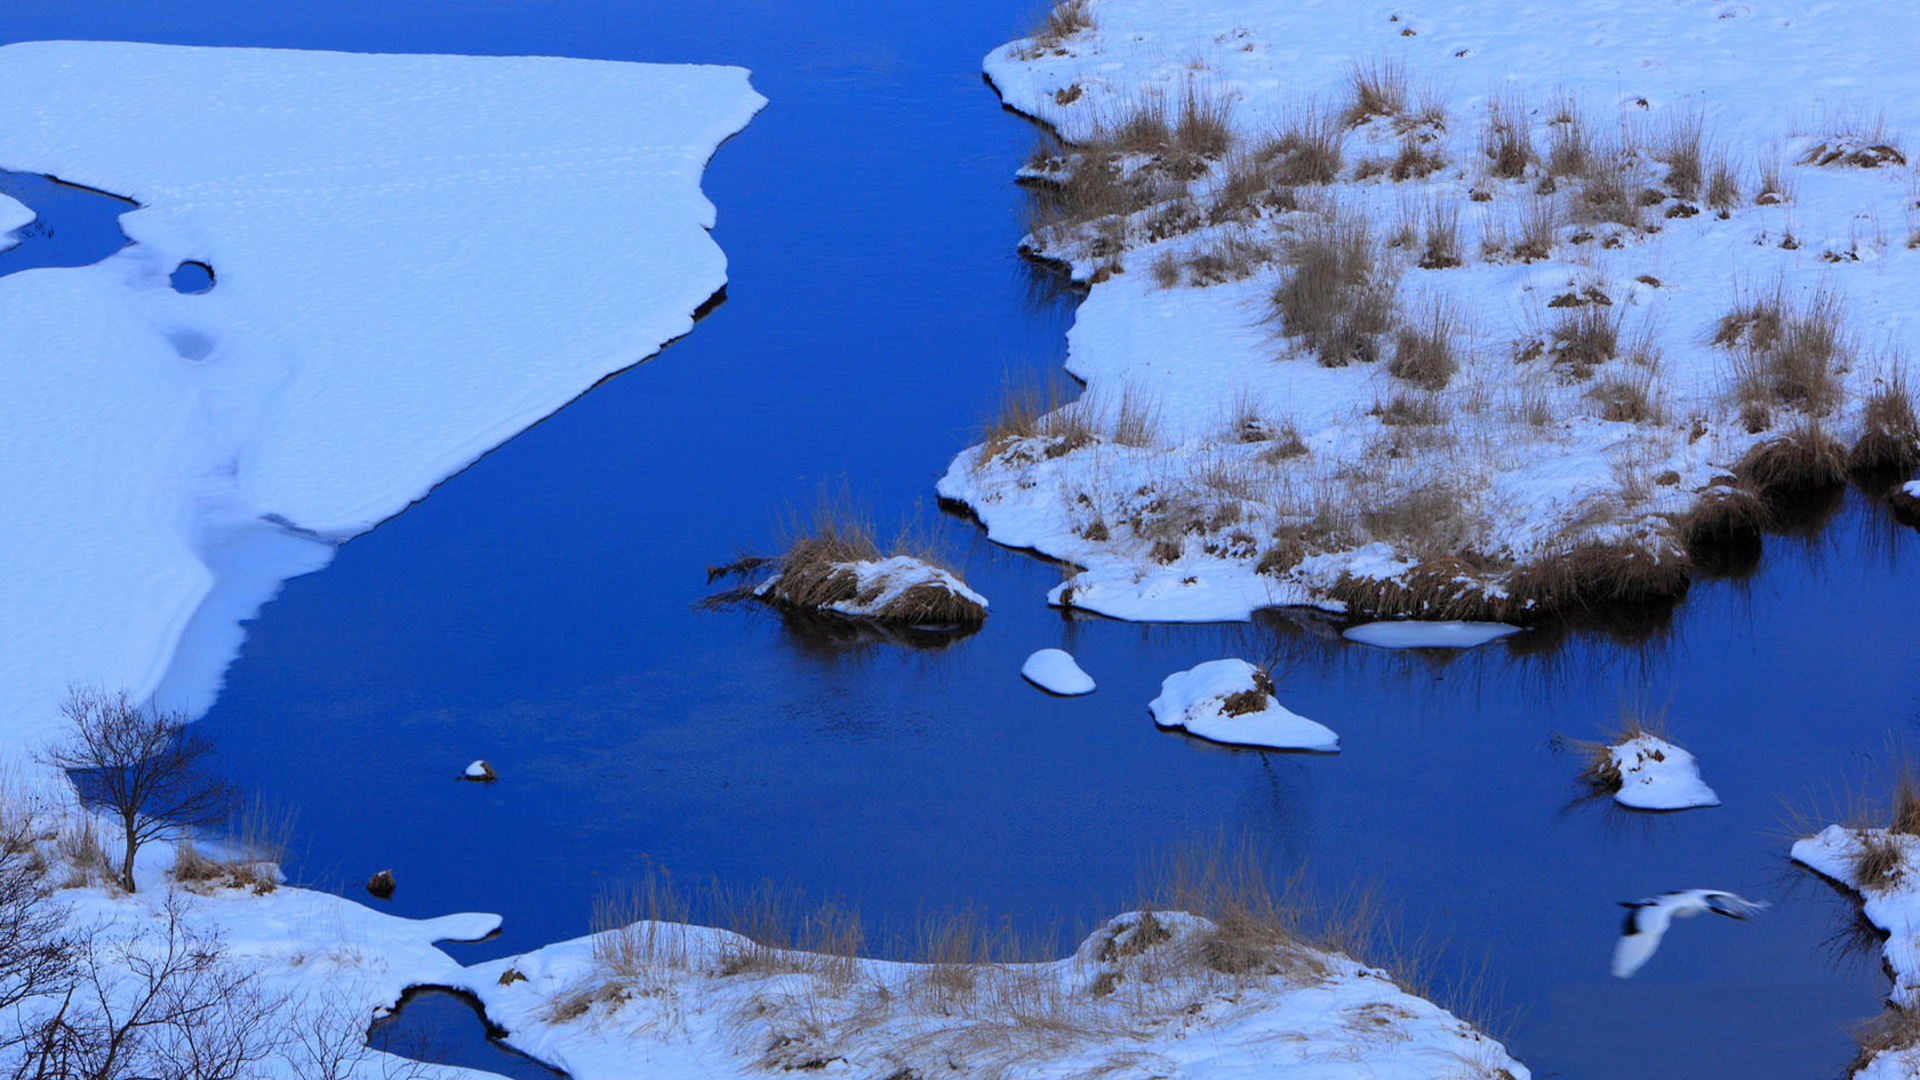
[
  {"x": 1065, "y": 19},
  {"x": 1601, "y": 772},
  {"x": 1722, "y": 529},
  {"x": 1440, "y": 246},
  {"x": 1680, "y": 147},
  {"x": 1787, "y": 354},
  {"x": 1802, "y": 461},
  {"x": 1376, "y": 87},
  {"x": 1337, "y": 298},
  {"x": 1878, "y": 860},
  {"x": 1894, "y": 1030},
  {"x": 1204, "y": 128},
  {"x": 1889, "y": 442},
  {"x": 1608, "y": 194},
  {"x": 1423, "y": 352},
  {"x": 1723, "y": 185},
  {"x": 1308, "y": 149},
  {"x": 1505, "y": 138},
  {"x": 1585, "y": 337},
  {"x": 1627, "y": 399}
]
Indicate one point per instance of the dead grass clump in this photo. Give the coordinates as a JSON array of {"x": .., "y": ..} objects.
[
  {"x": 1585, "y": 337},
  {"x": 1308, "y": 149},
  {"x": 1593, "y": 574},
  {"x": 1878, "y": 861},
  {"x": 1680, "y": 148},
  {"x": 1440, "y": 230},
  {"x": 1145, "y": 127},
  {"x": 1251, "y": 184},
  {"x": 1337, "y": 298},
  {"x": 1601, "y": 772},
  {"x": 1776, "y": 186},
  {"x": 86, "y": 860},
  {"x": 1608, "y": 194},
  {"x": 1896, "y": 1029},
  {"x": 1889, "y": 442},
  {"x": 1423, "y": 352},
  {"x": 1722, "y": 529},
  {"x": 1802, "y": 461},
  {"x": 1228, "y": 256},
  {"x": 1416, "y": 160},
  {"x": 1505, "y": 138},
  {"x": 1029, "y": 409},
  {"x": 1430, "y": 521},
  {"x": 1440, "y": 587},
  {"x": 1853, "y": 138},
  {"x": 1409, "y": 410},
  {"x": 1627, "y": 399},
  {"x": 1570, "y": 149},
  {"x": 1376, "y": 87},
  {"x": 1539, "y": 225},
  {"x": 1723, "y": 184},
  {"x": 1788, "y": 354},
  {"x": 1067, "y": 18},
  {"x": 1204, "y": 128}
]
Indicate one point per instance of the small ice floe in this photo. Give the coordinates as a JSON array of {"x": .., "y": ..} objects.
[
  {"x": 1417, "y": 634},
  {"x": 1648, "y": 919},
  {"x": 13, "y": 215},
  {"x": 900, "y": 589},
  {"x": 1653, "y": 774},
  {"x": 480, "y": 773},
  {"x": 1232, "y": 702},
  {"x": 1054, "y": 671}
]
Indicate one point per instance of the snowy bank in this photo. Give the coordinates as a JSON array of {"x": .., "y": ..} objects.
[
  {"x": 1055, "y": 671},
  {"x": 1232, "y": 702},
  {"x": 1878, "y": 865},
  {"x": 1477, "y": 312},
  {"x": 416, "y": 258},
  {"x": 13, "y": 215},
  {"x": 1147, "y": 994}
]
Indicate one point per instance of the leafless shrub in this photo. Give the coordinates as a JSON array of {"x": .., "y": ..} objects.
[
  {"x": 1423, "y": 352},
  {"x": 1679, "y": 147},
  {"x": 325, "y": 1037},
  {"x": 1375, "y": 87},
  {"x": 144, "y": 766},
  {"x": 1337, "y": 299},
  {"x": 1505, "y": 137},
  {"x": 1785, "y": 353}
]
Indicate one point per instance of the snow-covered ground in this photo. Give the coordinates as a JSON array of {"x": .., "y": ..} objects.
[
  {"x": 1157, "y": 995},
  {"x": 1214, "y": 466},
  {"x": 1892, "y": 904},
  {"x": 1232, "y": 702},
  {"x": 1657, "y": 775},
  {"x": 415, "y": 257}
]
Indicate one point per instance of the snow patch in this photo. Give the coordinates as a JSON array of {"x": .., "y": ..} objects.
[
  {"x": 1055, "y": 671},
  {"x": 1232, "y": 702},
  {"x": 1657, "y": 775},
  {"x": 1415, "y": 634},
  {"x": 13, "y": 215}
]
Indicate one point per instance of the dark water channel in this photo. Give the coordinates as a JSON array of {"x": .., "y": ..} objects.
[{"x": 538, "y": 611}]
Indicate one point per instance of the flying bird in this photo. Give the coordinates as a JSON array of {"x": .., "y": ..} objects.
[{"x": 1647, "y": 921}]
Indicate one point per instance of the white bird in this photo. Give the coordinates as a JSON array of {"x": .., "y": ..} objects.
[{"x": 1647, "y": 921}]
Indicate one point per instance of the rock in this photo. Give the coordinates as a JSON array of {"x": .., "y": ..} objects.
[{"x": 381, "y": 885}]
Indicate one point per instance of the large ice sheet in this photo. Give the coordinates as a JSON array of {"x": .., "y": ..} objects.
[{"x": 416, "y": 257}]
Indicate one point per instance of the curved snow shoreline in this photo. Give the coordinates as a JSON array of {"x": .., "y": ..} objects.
[{"x": 180, "y": 456}]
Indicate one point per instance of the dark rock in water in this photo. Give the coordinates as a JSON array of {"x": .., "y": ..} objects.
[{"x": 381, "y": 885}]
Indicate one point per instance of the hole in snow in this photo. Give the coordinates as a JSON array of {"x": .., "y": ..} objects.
[{"x": 192, "y": 277}]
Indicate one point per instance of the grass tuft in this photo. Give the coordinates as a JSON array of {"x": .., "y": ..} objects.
[
  {"x": 1423, "y": 352},
  {"x": 1375, "y": 87},
  {"x": 1889, "y": 442},
  {"x": 1337, "y": 298},
  {"x": 1787, "y": 354},
  {"x": 1506, "y": 139}
]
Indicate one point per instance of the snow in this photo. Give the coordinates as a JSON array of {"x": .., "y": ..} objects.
[
  {"x": 1657, "y": 775},
  {"x": 1196, "y": 700},
  {"x": 1414, "y": 634},
  {"x": 479, "y": 770},
  {"x": 1209, "y": 520},
  {"x": 880, "y": 583},
  {"x": 1893, "y": 906},
  {"x": 1055, "y": 671},
  {"x": 677, "y": 1016},
  {"x": 13, "y": 215},
  {"x": 417, "y": 257}
]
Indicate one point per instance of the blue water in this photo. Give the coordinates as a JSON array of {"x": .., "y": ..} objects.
[{"x": 538, "y": 611}]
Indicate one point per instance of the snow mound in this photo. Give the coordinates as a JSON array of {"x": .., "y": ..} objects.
[
  {"x": 13, "y": 215},
  {"x": 480, "y": 771},
  {"x": 900, "y": 589},
  {"x": 416, "y": 258},
  {"x": 1232, "y": 702},
  {"x": 1415, "y": 634},
  {"x": 1146, "y": 994},
  {"x": 1055, "y": 671},
  {"x": 1657, "y": 775}
]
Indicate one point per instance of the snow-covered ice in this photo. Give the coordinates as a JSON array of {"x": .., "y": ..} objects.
[
  {"x": 416, "y": 256},
  {"x": 1657, "y": 775},
  {"x": 1266, "y": 478},
  {"x": 1419, "y": 634},
  {"x": 1232, "y": 702},
  {"x": 1056, "y": 672},
  {"x": 13, "y": 215}
]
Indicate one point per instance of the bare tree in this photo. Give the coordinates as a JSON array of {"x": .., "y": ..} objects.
[
  {"x": 161, "y": 1003},
  {"x": 143, "y": 764}
]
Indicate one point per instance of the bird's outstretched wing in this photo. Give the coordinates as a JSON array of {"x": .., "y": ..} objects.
[
  {"x": 1736, "y": 907},
  {"x": 1646, "y": 924}
]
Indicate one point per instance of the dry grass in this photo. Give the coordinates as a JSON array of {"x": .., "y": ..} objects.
[
  {"x": 1804, "y": 460},
  {"x": 1723, "y": 184},
  {"x": 1776, "y": 185},
  {"x": 1889, "y": 442},
  {"x": 1584, "y": 337},
  {"x": 1506, "y": 138},
  {"x": 1065, "y": 19},
  {"x": 86, "y": 860},
  {"x": 1608, "y": 192},
  {"x": 1337, "y": 299},
  {"x": 813, "y": 574},
  {"x": 1375, "y": 87},
  {"x": 1878, "y": 861},
  {"x": 1722, "y": 529},
  {"x": 1307, "y": 151},
  {"x": 1204, "y": 128},
  {"x": 1629, "y": 398},
  {"x": 1569, "y": 148},
  {"x": 1894, "y": 1030},
  {"x": 1785, "y": 353},
  {"x": 1601, "y": 772},
  {"x": 1226, "y": 256},
  {"x": 1440, "y": 236},
  {"x": 1424, "y": 352},
  {"x": 1679, "y": 147}
]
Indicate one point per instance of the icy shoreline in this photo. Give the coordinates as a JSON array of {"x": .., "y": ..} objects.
[{"x": 1587, "y": 440}]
